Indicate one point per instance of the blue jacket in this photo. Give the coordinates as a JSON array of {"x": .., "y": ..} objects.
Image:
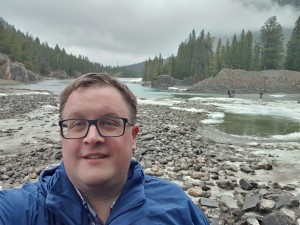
[{"x": 53, "y": 200}]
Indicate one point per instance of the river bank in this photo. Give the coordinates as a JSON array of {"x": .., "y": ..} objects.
[
  {"x": 9, "y": 82},
  {"x": 234, "y": 182}
]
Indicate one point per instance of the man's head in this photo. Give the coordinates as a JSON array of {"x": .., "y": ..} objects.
[
  {"x": 100, "y": 79},
  {"x": 96, "y": 148}
]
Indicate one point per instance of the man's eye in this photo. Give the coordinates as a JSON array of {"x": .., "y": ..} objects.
[
  {"x": 109, "y": 123},
  {"x": 75, "y": 124}
]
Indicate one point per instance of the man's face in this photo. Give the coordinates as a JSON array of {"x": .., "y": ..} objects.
[{"x": 95, "y": 161}]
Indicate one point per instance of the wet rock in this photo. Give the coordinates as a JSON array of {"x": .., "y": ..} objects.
[
  {"x": 229, "y": 201},
  {"x": 245, "y": 184},
  {"x": 208, "y": 202},
  {"x": 274, "y": 219},
  {"x": 266, "y": 206},
  {"x": 251, "y": 202},
  {"x": 226, "y": 184}
]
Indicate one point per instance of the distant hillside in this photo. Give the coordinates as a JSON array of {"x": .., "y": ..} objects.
[{"x": 134, "y": 70}]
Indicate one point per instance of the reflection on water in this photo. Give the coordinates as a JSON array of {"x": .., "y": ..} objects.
[{"x": 254, "y": 125}]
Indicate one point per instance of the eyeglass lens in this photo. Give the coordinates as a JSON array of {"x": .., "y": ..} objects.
[{"x": 107, "y": 127}]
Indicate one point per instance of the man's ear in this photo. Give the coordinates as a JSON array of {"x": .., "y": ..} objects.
[
  {"x": 59, "y": 131},
  {"x": 135, "y": 131}
]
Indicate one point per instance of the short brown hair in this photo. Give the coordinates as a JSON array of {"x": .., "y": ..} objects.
[{"x": 100, "y": 79}]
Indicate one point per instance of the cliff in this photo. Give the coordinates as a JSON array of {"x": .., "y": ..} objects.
[
  {"x": 279, "y": 81},
  {"x": 15, "y": 71}
]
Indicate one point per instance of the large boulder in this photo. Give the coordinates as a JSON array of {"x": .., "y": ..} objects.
[
  {"x": 164, "y": 81},
  {"x": 4, "y": 67},
  {"x": 15, "y": 71},
  {"x": 59, "y": 74}
]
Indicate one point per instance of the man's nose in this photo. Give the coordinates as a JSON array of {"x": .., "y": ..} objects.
[{"x": 93, "y": 135}]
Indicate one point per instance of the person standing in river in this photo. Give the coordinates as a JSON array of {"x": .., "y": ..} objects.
[
  {"x": 261, "y": 94},
  {"x": 98, "y": 182}
]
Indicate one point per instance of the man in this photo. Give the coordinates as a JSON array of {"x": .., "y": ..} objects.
[{"x": 98, "y": 182}]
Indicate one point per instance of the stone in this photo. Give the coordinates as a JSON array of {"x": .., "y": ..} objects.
[
  {"x": 284, "y": 200},
  {"x": 274, "y": 219},
  {"x": 195, "y": 192},
  {"x": 246, "y": 169},
  {"x": 213, "y": 213},
  {"x": 4, "y": 177},
  {"x": 229, "y": 201},
  {"x": 208, "y": 202},
  {"x": 252, "y": 221},
  {"x": 245, "y": 184},
  {"x": 289, "y": 213},
  {"x": 226, "y": 184},
  {"x": 251, "y": 202},
  {"x": 266, "y": 205}
]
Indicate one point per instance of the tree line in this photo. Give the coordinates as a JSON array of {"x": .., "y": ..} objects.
[
  {"x": 198, "y": 59},
  {"x": 40, "y": 58}
]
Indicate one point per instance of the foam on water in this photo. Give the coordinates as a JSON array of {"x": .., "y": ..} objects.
[
  {"x": 189, "y": 109},
  {"x": 25, "y": 92},
  {"x": 277, "y": 96},
  {"x": 289, "y": 137},
  {"x": 280, "y": 108},
  {"x": 131, "y": 80},
  {"x": 33, "y": 93},
  {"x": 180, "y": 89},
  {"x": 285, "y": 109},
  {"x": 167, "y": 102},
  {"x": 214, "y": 118}
]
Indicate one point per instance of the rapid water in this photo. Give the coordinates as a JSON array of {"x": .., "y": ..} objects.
[{"x": 274, "y": 116}]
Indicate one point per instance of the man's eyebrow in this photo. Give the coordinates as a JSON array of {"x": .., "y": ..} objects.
[
  {"x": 75, "y": 115},
  {"x": 111, "y": 115},
  {"x": 78, "y": 115}
]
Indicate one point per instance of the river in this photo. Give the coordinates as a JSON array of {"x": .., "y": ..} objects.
[{"x": 274, "y": 117}]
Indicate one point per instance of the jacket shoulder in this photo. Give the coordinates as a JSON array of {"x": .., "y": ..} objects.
[
  {"x": 161, "y": 185},
  {"x": 168, "y": 202},
  {"x": 16, "y": 203}
]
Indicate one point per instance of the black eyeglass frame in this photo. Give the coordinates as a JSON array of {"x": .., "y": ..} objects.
[{"x": 94, "y": 122}]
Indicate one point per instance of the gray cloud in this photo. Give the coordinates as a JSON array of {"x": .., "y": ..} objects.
[
  {"x": 267, "y": 4},
  {"x": 125, "y": 32}
]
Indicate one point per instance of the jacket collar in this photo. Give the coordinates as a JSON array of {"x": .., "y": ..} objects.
[
  {"x": 62, "y": 198},
  {"x": 132, "y": 197},
  {"x": 64, "y": 201}
]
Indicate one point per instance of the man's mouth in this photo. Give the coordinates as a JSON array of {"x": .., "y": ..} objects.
[{"x": 95, "y": 156}]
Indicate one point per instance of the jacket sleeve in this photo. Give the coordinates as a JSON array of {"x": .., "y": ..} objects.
[
  {"x": 17, "y": 206},
  {"x": 9, "y": 212}
]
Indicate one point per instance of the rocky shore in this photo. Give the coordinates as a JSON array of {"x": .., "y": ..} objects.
[{"x": 230, "y": 182}]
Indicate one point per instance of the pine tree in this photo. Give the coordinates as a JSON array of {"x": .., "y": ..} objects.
[
  {"x": 234, "y": 54},
  {"x": 218, "y": 56},
  {"x": 225, "y": 54},
  {"x": 271, "y": 38},
  {"x": 293, "y": 49},
  {"x": 249, "y": 50},
  {"x": 256, "y": 62}
]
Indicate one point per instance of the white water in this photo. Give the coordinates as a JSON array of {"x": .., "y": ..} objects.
[{"x": 279, "y": 108}]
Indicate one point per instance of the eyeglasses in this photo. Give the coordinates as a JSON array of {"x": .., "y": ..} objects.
[{"x": 106, "y": 127}]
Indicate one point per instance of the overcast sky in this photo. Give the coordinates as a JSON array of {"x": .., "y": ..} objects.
[{"x": 123, "y": 32}]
